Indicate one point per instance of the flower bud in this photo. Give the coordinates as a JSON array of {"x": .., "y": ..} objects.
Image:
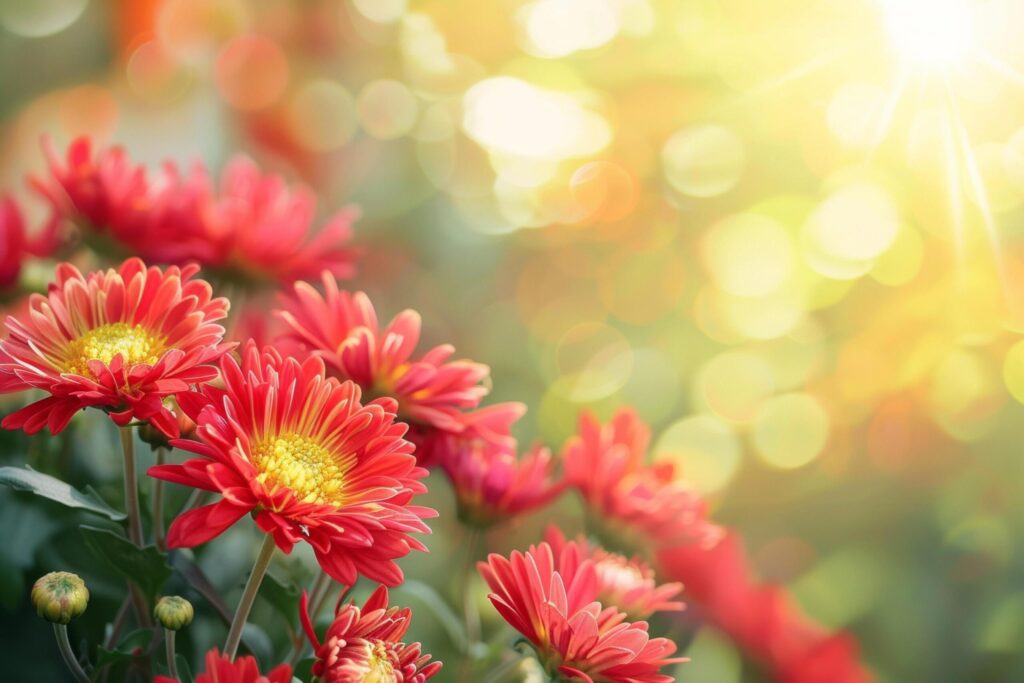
[
  {"x": 173, "y": 612},
  {"x": 59, "y": 597}
]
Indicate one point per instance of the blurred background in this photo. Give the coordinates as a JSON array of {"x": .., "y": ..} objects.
[{"x": 790, "y": 233}]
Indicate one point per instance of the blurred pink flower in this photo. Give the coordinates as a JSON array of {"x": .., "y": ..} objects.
[
  {"x": 626, "y": 583},
  {"x": 253, "y": 228},
  {"x": 624, "y": 495},
  {"x": 16, "y": 244},
  {"x": 553, "y": 604},
  {"x": 492, "y": 483},
  {"x": 761, "y": 618}
]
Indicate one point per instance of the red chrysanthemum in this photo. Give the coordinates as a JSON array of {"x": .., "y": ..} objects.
[
  {"x": 297, "y": 448},
  {"x": 626, "y": 583},
  {"x": 122, "y": 340},
  {"x": 491, "y": 424},
  {"x": 553, "y": 604},
  {"x": 342, "y": 328},
  {"x": 761, "y": 618},
  {"x": 220, "y": 669},
  {"x": 16, "y": 244},
  {"x": 363, "y": 645},
  {"x": 625, "y": 495},
  {"x": 253, "y": 227},
  {"x": 492, "y": 483}
]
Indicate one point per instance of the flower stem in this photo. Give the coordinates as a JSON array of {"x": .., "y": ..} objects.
[
  {"x": 131, "y": 487},
  {"x": 158, "y": 504},
  {"x": 64, "y": 645},
  {"x": 131, "y": 504},
  {"x": 259, "y": 570},
  {"x": 172, "y": 664}
]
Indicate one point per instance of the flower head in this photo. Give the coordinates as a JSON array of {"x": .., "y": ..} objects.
[
  {"x": 59, "y": 597},
  {"x": 298, "y": 449},
  {"x": 626, "y": 583},
  {"x": 363, "y": 645},
  {"x": 626, "y": 496},
  {"x": 492, "y": 483},
  {"x": 220, "y": 669},
  {"x": 553, "y": 604},
  {"x": 122, "y": 340},
  {"x": 252, "y": 228},
  {"x": 342, "y": 328},
  {"x": 173, "y": 612}
]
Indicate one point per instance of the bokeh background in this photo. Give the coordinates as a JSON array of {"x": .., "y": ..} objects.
[{"x": 789, "y": 233}]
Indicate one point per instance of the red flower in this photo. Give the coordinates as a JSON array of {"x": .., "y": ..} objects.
[
  {"x": 364, "y": 644},
  {"x": 491, "y": 424},
  {"x": 15, "y": 244},
  {"x": 254, "y": 226},
  {"x": 761, "y": 618},
  {"x": 492, "y": 484},
  {"x": 220, "y": 669},
  {"x": 626, "y": 496},
  {"x": 626, "y": 583},
  {"x": 122, "y": 340},
  {"x": 342, "y": 328},
  {"x": 298, "y": 449},
  {"x": 553, "y": 605}
]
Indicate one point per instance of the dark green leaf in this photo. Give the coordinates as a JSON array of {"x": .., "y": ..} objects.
[
  {"x": 257, "y": 642},
  {"x": 282, "y": 596},
  {"x": 304, "y": 669},
  {"x": 27, "y": 479},
  {"x": 12, "y": 585},
  {"x": 184, "y": 671},
  {"x": 195, "y": 577},
  {"x": 26, "y": 527},
  {"x": 145, "y": 566},
  {"x": 133, "y": 645}
]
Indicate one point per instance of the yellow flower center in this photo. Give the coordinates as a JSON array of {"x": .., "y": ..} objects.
[
  {"x": 135, "y": 344},
  {"x": 380, "y": 668},
  {"x": 312, "y": 471}
]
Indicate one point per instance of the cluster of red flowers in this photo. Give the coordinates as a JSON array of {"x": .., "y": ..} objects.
[
  {"x": 330, "y": 445},
  {"x": 253, "y": 227}
]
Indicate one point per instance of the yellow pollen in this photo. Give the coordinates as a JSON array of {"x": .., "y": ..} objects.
[
  {"x": 135, "y": 344},
  {"x": 380, "y": 668},
  {"x": 311, "y": 471}
]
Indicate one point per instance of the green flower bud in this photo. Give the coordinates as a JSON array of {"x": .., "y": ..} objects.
[
  {"x": 173, "y": 612},
  {"x": 59, "y": 597}
]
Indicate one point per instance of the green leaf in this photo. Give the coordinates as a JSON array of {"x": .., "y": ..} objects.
[
  {"x": 184, "y": 671},
  {"x": 303, "y": 671},
  {"x": 283, "y": 597},
  {"x": 133, "y": 645},
  {"x": 195, "y": 577},
  {"x": 427, "y": 596},
  {"x": 145, "y": 566},
  {"x": 27, "y": 479}
]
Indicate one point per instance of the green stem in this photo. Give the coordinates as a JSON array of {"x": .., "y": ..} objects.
[
  {"x": 158, "y": 504},
  {"x": 64, "y": 645},
  {"x": 252, "y": 586},
  {"x": 131, "y": 504},
  {"x": 131, "y": 487},
  {"x": 172, "y": 665}
]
